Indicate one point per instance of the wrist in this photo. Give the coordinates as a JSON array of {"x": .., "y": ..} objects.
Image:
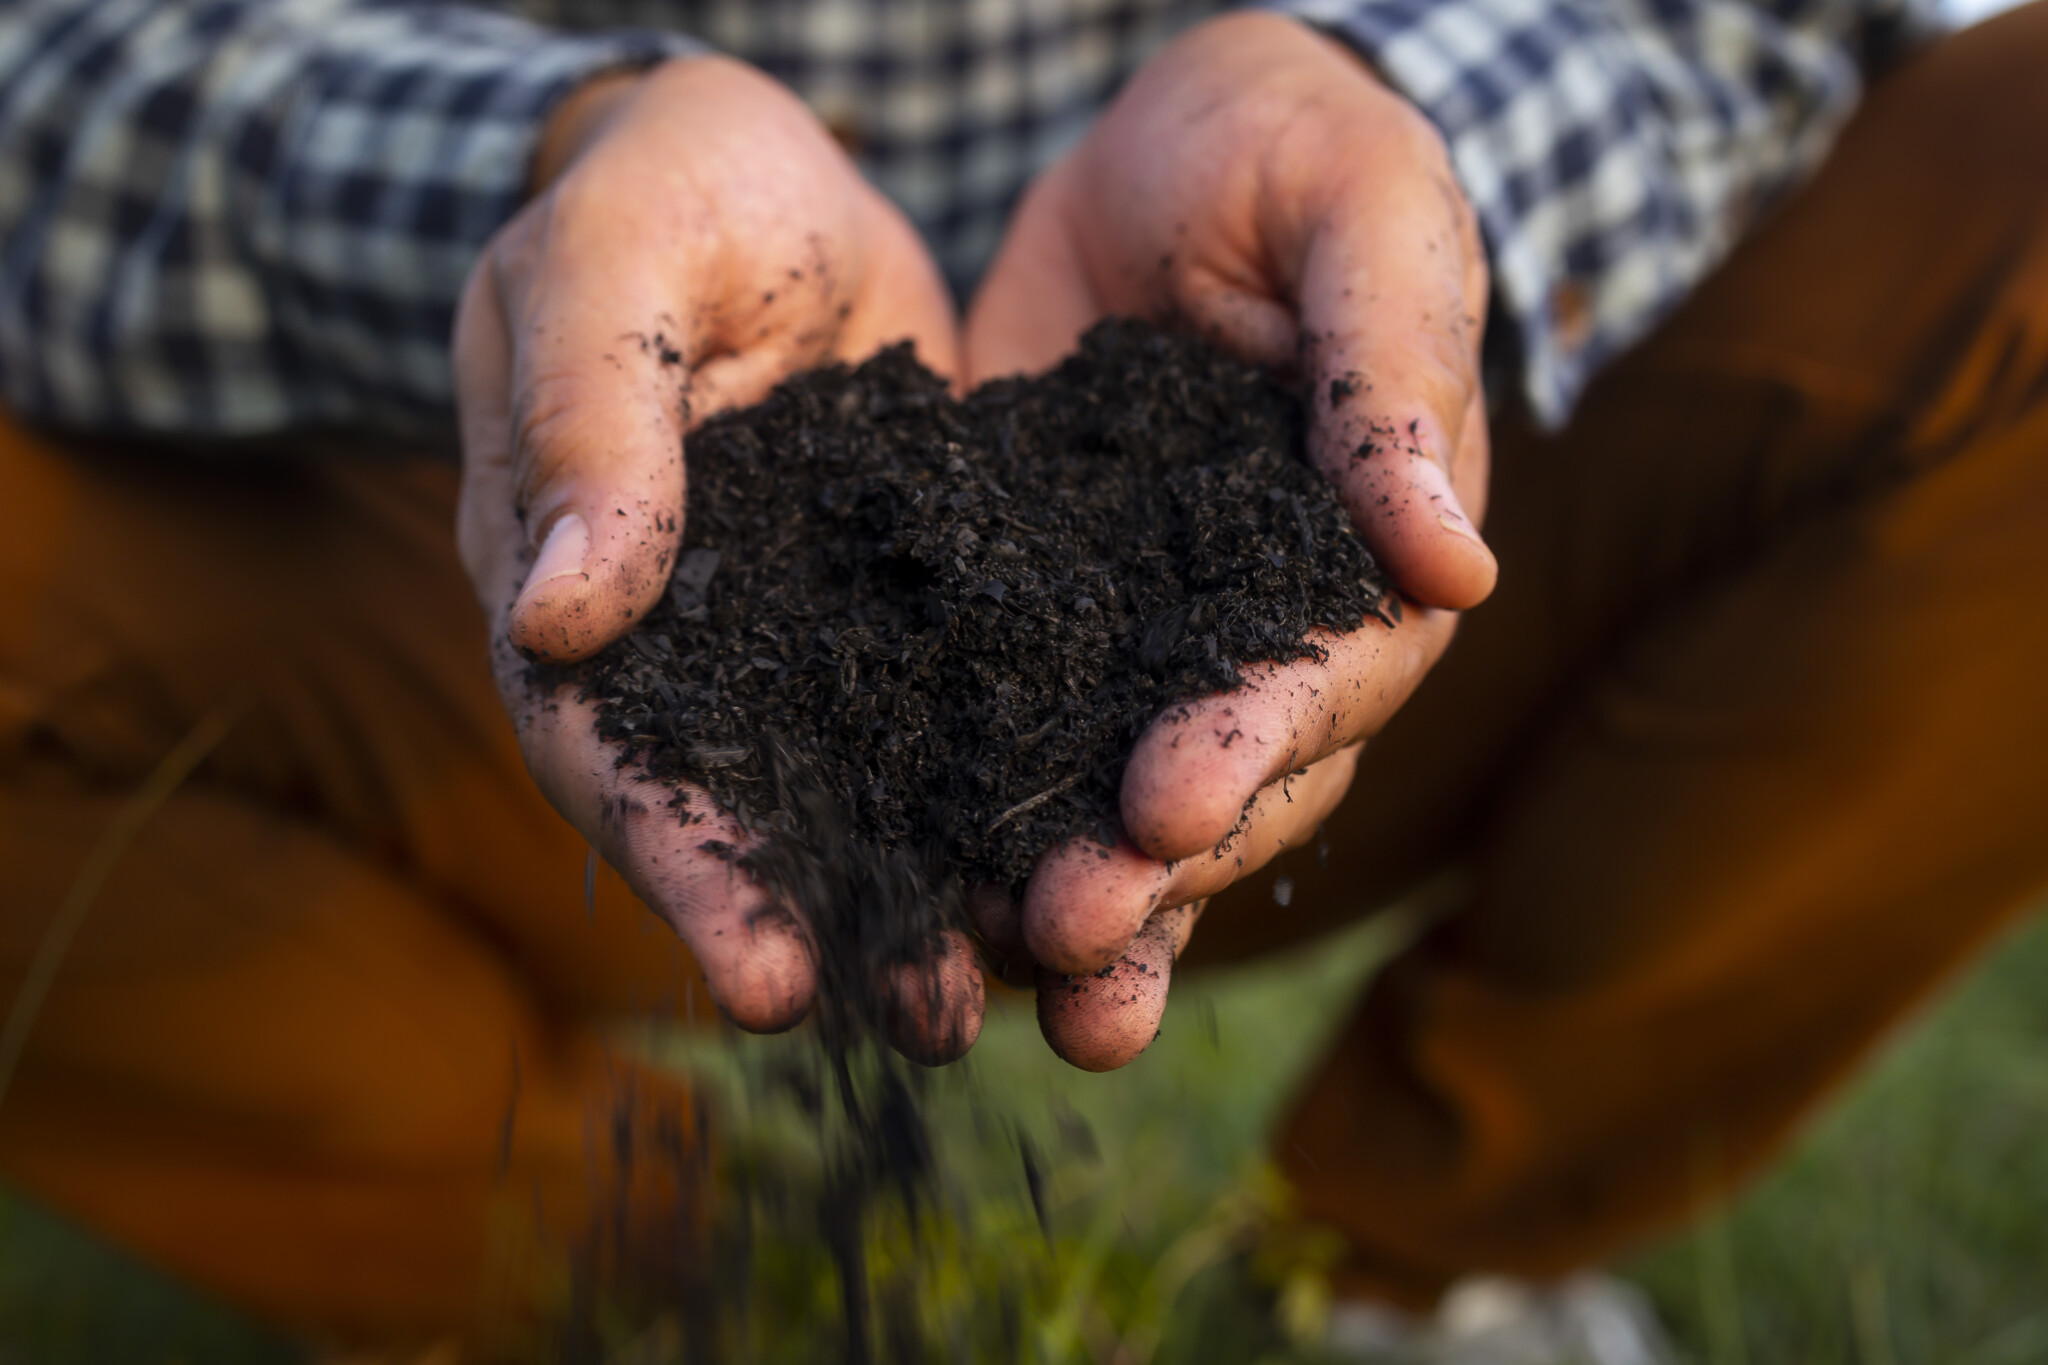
[
  {"x": 576, "y": 122},
  {"x": 1332, "y": 35}
]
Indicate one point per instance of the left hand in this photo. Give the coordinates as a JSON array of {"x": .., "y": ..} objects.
[
  {"x": 1255, "y": 182},
  {"x": 695, "y": 236}
]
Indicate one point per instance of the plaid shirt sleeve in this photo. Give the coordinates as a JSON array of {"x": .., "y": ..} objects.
[
  {"x": 1614, "y": 150},
  {"x": 223, "y": 217},
  {"x": 233, "y": 216}
]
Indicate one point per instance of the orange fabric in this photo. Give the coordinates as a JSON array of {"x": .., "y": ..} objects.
[
  {"x": 327, "y": 1043},
  {"x": 1751, "y": 749},
  {"x": 1748, "y": 753}
]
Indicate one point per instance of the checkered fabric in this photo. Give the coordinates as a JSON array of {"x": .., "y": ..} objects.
[{"x": 230, "y": 217}]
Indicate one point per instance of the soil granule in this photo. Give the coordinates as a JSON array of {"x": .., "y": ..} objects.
[{"x": 937, "y": 625}]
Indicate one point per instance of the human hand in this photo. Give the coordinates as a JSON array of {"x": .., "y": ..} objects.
[
  {"x": 1257, "y": 183},
  {"x": 695, "y": 236}
]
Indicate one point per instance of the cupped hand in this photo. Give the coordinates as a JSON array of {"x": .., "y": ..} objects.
[
  {"x": 1257, "y": 183},
  {"x": 694, "y": 236}
]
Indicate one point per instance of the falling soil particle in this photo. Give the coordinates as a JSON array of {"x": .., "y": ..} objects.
[{"x": 910, "y": 640}]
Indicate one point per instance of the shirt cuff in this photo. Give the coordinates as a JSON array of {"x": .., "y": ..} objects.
[
  {"x": 403, "y": 141},
  {"x": 1612, "y": 155},
  {"x": 232, "y": 217}
]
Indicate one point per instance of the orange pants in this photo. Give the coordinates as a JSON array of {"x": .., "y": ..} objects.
[
  {"x": 1749, "y": 752},
  {"x": 325, "y": 1043}
]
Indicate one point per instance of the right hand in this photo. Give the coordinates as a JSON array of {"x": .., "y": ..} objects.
[
  {"x": 1259, "y": 185},
  {"x": 695, "y": 237}
]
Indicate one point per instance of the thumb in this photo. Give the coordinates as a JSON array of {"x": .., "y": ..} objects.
[
  {"x": 1393, "y": 296},
  {"x": 599, "y": 387}
]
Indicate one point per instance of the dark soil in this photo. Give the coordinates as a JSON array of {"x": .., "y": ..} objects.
[
  {"x": 957, "y": 616},
  {"x": 911, "y": 639}
]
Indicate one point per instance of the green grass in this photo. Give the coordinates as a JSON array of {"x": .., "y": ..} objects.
[
  {"x": 1910, "y": 1226},
  {"x": 69, "y": 1299}
]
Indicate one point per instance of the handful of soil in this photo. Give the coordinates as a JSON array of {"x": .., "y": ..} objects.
[
  {"x": 956, "y": 616},
  {"x": 911, "y": 639}
]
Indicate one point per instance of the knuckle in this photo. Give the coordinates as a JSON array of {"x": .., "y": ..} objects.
[
  {"x": 551, "y": 415},
  {"x": 515, "y": 253}
]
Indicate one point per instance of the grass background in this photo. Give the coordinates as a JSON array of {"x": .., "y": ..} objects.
[{"x": 1908, "y": 1227}]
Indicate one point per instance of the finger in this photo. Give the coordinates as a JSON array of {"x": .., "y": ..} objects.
[
  {"x": 598, "y": 378},
  {"x": 1286, "y": 814},
  {"x": 997, "y": 917},
  {"x": 936, "y": 1004},
  {"x": 1085, "y": 903},
  {"x": 1393, "y": 298},
  {"x": 488, "y": 536},
  {"x": 876, "y": 287},
  {"x": 1099, "y": 1021},
  {"x": 757, "y": 337},
  {"x": 684, "y": 863},
  {"x": 1035, "y": 301},
  {"x": 1195, "y": 767},
  {"x": 902, "y": 296}
]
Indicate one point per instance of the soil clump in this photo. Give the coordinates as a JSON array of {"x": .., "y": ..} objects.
[{"x": 950, "y": 619}]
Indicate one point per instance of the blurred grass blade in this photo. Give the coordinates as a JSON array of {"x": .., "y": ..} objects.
[
  {"x": 141, "y": 808},
  {"x": 1720, "y": 1297},
  {"x": 2021, "y": 1342}
]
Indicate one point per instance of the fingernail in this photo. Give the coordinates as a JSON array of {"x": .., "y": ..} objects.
[
  {"x": 1450, "y": 513},
  {"x": 1457, "y": 525},
  {"x": 561, "y": 555}
]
